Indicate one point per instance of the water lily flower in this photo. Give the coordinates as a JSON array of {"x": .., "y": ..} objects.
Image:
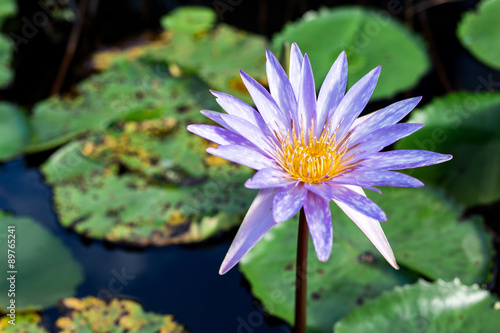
[{"x": 309, "y": 150}]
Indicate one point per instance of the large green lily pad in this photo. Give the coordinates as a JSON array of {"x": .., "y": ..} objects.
[
  {"x": 127, "y": 90},
  {"x": 15, "y": 132},
  {"x": 426, "y": 307},
  {"x": 369, "y": 39},
  {"x": 212, "y": 53},
  {"x": 465, "y": 125},
  {"x": 426, "y": 237},
  {"x": 40, "y": 261},
  {"x": 7, "y": 8},
  {"x": 478, "y": 31},
  {"x": 91, "y": 314},
  {"x": 95, "y": 200},
  {"x": 24, "y": 323}
]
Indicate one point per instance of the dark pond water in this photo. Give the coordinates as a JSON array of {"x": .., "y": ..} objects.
[{"x": 178, "y": 280}]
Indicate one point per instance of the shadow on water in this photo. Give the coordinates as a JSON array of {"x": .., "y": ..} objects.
[{"x": 178, "y": 280}]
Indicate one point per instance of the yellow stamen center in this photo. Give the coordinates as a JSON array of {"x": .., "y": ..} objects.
[{"x": 311, "y": 159}]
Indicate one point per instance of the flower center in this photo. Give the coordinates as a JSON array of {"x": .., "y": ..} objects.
[{"x": 312, "y": 159}]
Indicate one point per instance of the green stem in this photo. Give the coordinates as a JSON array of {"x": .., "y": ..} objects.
[{"x": 301, "y": 275}]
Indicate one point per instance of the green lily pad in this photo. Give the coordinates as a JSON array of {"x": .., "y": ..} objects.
[
  {"x": 14, "y": 129},
  {"x": 125, "y": 91},
  {"x": 24, "y": 323},
  {"x": 369, "y": 39},
  {"x": 478, "y": 32},
  {"x": 432, "y": 240},
  {"x": 40, "y": 261},
  {"x": 6, "y": 74},
  {"x": 426, "y": 307},
  {"x": 428, "y": 241},
  {"x": 91, "y": 314},
  {"x": 465, "y": 125},
  {"x": 96, "y": 201},
  {"x": 214, "y": 55},
  {"x": 189, "y": 20}
]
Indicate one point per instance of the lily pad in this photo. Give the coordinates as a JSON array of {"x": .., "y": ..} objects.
[
  {"x": 14, "y": 129},
  {"x": 465, "y": 125},
  {"x": 427, "y": 241},
  {"x": 40, "y": 261},
  {"x": 7, "y": 8},
  {"x": 91, "y": 314},
  {"x": 127, "y": 90},
  {"x": 212, "y": 53},
  {"x": 426, "y": 307},
  {"x": 478, "y": 32},
  {"x": 369, "y": 38},
  {"x": 95, "y": 200},
  {"x": 24, "y": 323}
]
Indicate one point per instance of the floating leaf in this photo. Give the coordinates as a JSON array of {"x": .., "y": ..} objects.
[
  {"x": 369, "y": 39},
  {"x": 465, "y": 125},
  {"x": 24, "y": 323},
  {"x": 427, "y": 241},
  {"x": 7, "y": 8},
  {"x": 40, "y": 261},
  {"x": 189, "y": 20},
  {"x": 127, "y": 90},
  {"x": 432, "y": 240},
  {"x": 94, "y": 200},
  {"x": 426, "y": 307},
  {"x": 14, "y": 129},
  {"x": 91, "y": 314},
  {"x": 478, "y": 31}
]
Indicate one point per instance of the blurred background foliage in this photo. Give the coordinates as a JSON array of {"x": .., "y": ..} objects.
[{"x": 97, "y": 96}]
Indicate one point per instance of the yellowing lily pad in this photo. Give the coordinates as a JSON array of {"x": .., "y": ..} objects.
[
  {"x": 423, "y": 230},
  {"x": 91, "y": 314},
  {"x": 426, "y": 307},
  {"x": 23, "y": 323}
]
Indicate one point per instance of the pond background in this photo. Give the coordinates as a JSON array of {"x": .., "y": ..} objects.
[{"x": 183, "y": 280}]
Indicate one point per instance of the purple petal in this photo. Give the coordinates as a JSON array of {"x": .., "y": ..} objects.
[
  {"x": 280, "y": 87},
  {"x": 266, "y": 105},
  {"x": 347, "y": 180},
  {"x": 385, "y": 117},
  {"x": 377, "y": 140},
  {"x": 353, "y": 103},
  {"x": 242, "y": 155},
  {"x": 288, "y": 201},
  {"x": 296, "y": 59},
  {"x": 269, "y": 178},
  {"x": 219, "y": 135},
  {"x": 332, "y": 91},
  {"x": 319, "y": 220},
  {"x": 384, "y": 178},
  {"x": 352, "y": 199},
  {"x": 249, "y": 132},
  {"x": 236, "y": 107},
  {"x": 307, "y": 97},
  {"x": 371, "y": 228},
  {"x": 257, "y": 222},
  {"x": 403, "y": 159},
  {"x": 216, "y": 117}
]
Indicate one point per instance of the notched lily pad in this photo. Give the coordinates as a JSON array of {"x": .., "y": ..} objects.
[
  {"x": 426, "y": 307},
  {"x": 135, "y": 91},
  {"x": 465, "y": 125},
  {"x": 95, "y": 200},
  {"x": 369, "y": 38},
  {"x": 91, "y": 314},
  {"x": 40, "y": 267},
  {"x": 424, "y": 233},
  {"x": 478, "y": 32}
]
